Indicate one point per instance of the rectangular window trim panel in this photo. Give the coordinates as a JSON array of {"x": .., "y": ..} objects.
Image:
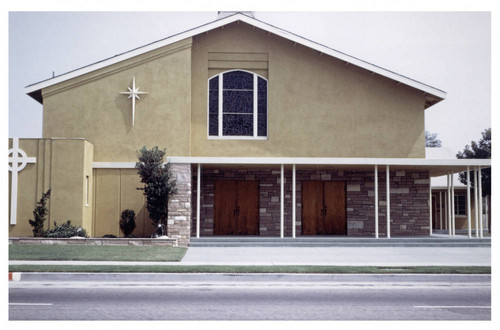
[{"x": 215, "y": 119}]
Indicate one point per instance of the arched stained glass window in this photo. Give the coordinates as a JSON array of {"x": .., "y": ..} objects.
[{"x": 237, "y": 105}]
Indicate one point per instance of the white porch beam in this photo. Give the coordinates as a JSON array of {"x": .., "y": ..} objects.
[
  {"x": 476, "y": 203},
  {"x": 282, "y": 202},
  {"x": 388, "y": 192},
  {"x": 452, "y": 175},
  {"x": 480, "y": 198},
  {"x": 294, "y": 192},
  {"x": 376, "y": 201},
  {"x": 198, "y": 194},
  {"x": 469, "y": 210}
]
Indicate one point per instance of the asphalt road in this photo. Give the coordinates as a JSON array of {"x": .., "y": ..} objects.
[{"x": 252, "y": 297}]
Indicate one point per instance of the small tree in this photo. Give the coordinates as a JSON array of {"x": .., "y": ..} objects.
[
  {"x": 431, "y": 140},
  {"x": 127, "y": 222},
  {"x": 40, "y": 214},
  {"x": 159, "y": 184},
  {"x": 478, "y": 150}
]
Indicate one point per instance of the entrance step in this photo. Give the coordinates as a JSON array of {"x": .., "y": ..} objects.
[{"x": 321, "y": 241}]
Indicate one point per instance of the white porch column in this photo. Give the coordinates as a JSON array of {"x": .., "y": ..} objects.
[
  {"x": 198, "y": 194},
  {"x": 480, "y": 198},
  {"x": 282, "y": 202},
  {"x": 469, "y": 223},
  {"x": 486, "y": 206},
  {"x": 452, "y": 204},
  {"x": 441, "y": 210},
  {"x": 294, "y": 216},
  {"x": 476, "y": 203},
  {"x": 388, "y": 192},
  {"x": 430, "y": 208},
  {"x": 446, "y": 207},
  {"x": 449, "y": 202},
  {"x": 376, "y": 201}
]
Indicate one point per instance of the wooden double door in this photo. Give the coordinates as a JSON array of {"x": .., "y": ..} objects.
[
  {"x": 236, "y": 209},
  {"x": 324, "y": 208}
]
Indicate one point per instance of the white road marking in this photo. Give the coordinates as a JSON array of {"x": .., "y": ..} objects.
[
  {"x": 30, "y": 304},
  {"x": 452, "y": 306}
]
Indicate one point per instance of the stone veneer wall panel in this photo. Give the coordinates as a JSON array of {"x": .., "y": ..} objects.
[
  {"x": 409, "y": 200},
  {"x": 179, "y": 213}
]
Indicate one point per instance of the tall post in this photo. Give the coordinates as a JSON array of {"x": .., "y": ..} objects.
[
  {"x": 376, "y": 201},
  {"x": 476, "y": 203},
  {"x": 469, "y": 223},
  {"x": 441, "y": 210},
  {"x": 430, "y": 208},
  {"x": 480, "y": 198},
  {"x": 449, "y": 202},
  {"x": 294, "y": 216},
  {"x": 445, "y": 210},
  {"x": 486, "y": 206},
  {"x": 198, "y": 194},
  {"x": 282, "y": 202},
  {"x": 452, "y": 204},
  {"x": 388, "y": 192}
]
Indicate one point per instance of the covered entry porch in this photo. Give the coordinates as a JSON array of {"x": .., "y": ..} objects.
[{"x": 383, "y": 197}]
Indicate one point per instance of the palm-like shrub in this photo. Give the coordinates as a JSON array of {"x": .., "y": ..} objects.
[{"x": 40, "y": 214}]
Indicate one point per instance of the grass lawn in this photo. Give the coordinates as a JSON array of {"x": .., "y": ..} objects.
[
  {"x": 95, "y": 252},
  {"x": 251, "y": 269}
]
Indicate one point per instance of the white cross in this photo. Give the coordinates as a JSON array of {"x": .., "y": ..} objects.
[
  {"x": 18, "y": 161},
  {"x": 133, "y": 93}
]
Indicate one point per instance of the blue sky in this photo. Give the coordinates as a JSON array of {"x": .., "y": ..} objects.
[{"x": 447, "y": 50}]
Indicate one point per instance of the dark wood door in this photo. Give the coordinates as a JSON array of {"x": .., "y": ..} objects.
[
  {"x": 247, "y": 208},
  {"x": 312, "y": 205},
  {"x": 236, "y": 208},
  {"x": 334, "y": 210},
  {"x": 323, "y": 208},
  {"x": 224, "y": 207}
]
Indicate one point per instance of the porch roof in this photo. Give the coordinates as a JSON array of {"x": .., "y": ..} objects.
[{"x": 436, "y": 167}]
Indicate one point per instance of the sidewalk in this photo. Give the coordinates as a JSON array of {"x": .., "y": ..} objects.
[{"x": 323, "y": 256}]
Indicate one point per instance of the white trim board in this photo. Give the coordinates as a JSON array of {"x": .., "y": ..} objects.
[
  {"x": 331, "y": 161},
  {"x": 309, "y": 161},
  {"x": 228, "y": 20}
]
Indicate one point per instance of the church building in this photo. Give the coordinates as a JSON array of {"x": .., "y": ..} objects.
[{"x": 269, "y": 135}]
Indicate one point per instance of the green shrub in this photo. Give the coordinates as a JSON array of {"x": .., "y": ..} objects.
[
  {"x": 40, "y": 214},
  {"x": 65, "y": 230},
  {"x": 127, "y": 222},
  {"x": 159, "y": 185}
]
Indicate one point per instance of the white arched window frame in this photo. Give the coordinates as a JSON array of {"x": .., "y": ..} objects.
[{"x": 220, "y": 113}]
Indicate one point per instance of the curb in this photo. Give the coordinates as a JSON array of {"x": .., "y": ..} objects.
[{"x": 16, "y": 277}]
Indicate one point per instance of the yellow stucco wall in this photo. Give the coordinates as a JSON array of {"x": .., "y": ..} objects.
[
  {"x": 61, "y": 165},
  {"x": 90, "y": 106},
  {"x": 317, "y": 106},
  {"x": 115, "y": 191}
]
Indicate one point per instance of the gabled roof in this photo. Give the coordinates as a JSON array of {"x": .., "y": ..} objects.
[{"x": 433, "y": 95}]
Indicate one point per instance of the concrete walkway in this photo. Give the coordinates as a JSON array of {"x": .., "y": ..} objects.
[
  {"x": 340, "y": 256},
  {"x": 334, "y": 256}
]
